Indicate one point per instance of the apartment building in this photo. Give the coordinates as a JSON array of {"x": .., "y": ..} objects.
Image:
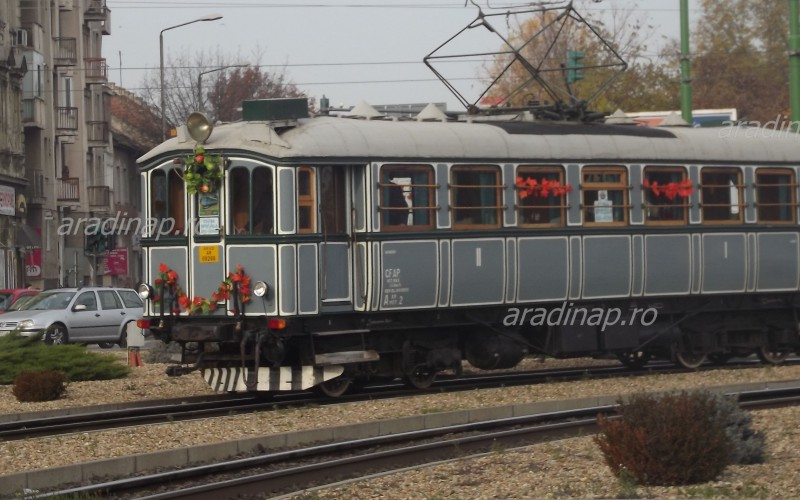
[{"x": 73, "y": 174}]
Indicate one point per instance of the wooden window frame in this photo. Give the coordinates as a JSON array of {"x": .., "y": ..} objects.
[
  {"x": 686, "y": 205},
  {"x": 498, "y": 187},
  {"x": 307, "y": 200},
  {"x": 539, "y": 171},
  {"x": 792, "y": 204},
  {"x": 703, "y": 186},
  {"x": 430, "y": 186},
  {"x": 607, "y": 186},
  {"x": 251, "y": 205}
]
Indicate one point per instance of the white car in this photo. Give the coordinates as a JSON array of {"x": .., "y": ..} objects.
[{"x": 87, "y": 315}]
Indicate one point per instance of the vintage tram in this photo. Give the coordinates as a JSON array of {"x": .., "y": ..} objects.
[{"x": 284, "y": 251}]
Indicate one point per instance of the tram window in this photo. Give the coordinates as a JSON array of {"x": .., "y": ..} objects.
[
  {"x": 167, "y": 200},
  {"x": 333, "y": 199},
  {"x": 305, "y": 200},
  {"x": 476, "y": 195},
  {"x": 721, "y": 190},
  {"x": 775, "y": 199},
  {"x": 250, "y": 200},
  {"x": 605, "y": 195},
  {"x": 541, "y": 196},
  {"x": 666, "y": 192},
  {"x": 406, "y": 197}
]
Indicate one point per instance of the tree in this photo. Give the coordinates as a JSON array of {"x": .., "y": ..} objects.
[
  {"x": 229, "y": 81},
  {"x": 239, "y": 84},
  {"x": 740, "y": 58},
  {"x": 550, "y": 44}
]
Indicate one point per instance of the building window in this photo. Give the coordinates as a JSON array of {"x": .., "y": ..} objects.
[
  {"x": 306, "y": 205},
  {"x": 666, "y": 192},
  {"x": 541, "y": 196},
  {"x": 406, "y": 197},
  {"x": 775, "y": 195},
  {"x": 250, "y": 194},
  {"x": 721, "y": 190},
  {"x": 475, "y": 196},
  {"x": 167, "y": 199},
  {"x": 605, "y": 195}
]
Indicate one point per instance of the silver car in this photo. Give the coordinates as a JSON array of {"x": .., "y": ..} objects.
[{"x": 88, "y": 315}]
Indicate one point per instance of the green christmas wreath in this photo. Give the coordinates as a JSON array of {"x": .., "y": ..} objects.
[{"x": 203, "y": 172}]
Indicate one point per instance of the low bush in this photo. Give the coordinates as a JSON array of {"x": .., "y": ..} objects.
[
  {"x": 21, "y": 354},
  {"x": 45, "y": 385},
  {"x": 677, "y": 438}
]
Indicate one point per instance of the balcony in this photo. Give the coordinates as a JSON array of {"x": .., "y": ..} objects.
[
  {"x": 99, "y": 197},
  {"x": 98, "y": 11},
  {"x": 68, "y": 189},
  {"x": 96, "y": 70},
  {"x": 66, "y": 51},
  {"x": 97, "y": 134},
  {"x": 37, "y": 187},
  {"x": 66, "y": 121},
  {"x": 33, "y": 112}
]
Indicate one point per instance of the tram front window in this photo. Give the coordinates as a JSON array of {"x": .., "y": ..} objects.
[{"x": 250, "y": 198}]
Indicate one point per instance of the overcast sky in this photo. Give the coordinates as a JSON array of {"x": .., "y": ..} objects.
[{"x": 349, "y": 50}]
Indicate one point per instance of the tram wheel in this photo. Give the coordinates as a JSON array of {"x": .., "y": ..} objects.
[
  {"x": 690, "y": 360},
  {"x": 770, "y": 357},
  {"x": 635, "y": 360},
  {"x": 421, "y": 377},
  {"x": 335, "y": 387}
]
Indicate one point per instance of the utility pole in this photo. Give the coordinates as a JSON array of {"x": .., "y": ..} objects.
[
  {"x": 794, "y": 59},
  {"x": 686, "y": 80}
]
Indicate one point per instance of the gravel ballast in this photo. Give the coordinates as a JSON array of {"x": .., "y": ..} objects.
[{"x": 565, "y": 469}]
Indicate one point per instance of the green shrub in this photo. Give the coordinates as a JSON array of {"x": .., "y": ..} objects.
[
  {"x": 45, "y": 385},
  {"x": 671, "y": 439},
  {"x": 20, "y": 354},
  {"x": 748, "y": 446}
]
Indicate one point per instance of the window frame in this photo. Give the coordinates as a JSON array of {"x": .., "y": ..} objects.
[
  {"x": 174, "y": 199},
  {"x": 307, "y": 200},
  {"x": 430, "y": 186},
  {"x": 685, "y": 205},
  {"x": 622, "y": 186},
  {"x": 540, "y": 172},
  {"x": 792, "y": 186},
  {"x": 740, "y": 190},
  {"x": 498, "y": 188},
  {"x": 234, "y": 208}
]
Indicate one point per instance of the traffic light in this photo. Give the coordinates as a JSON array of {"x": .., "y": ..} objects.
[
  {"x": 574, "y": 66},
  {"x": 98, "y": 243}
]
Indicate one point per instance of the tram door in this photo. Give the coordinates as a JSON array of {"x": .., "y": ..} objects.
[{"x": 335, "y": 270}]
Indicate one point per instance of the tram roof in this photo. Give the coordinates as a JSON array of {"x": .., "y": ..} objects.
[{"x": 331, "y": 138}]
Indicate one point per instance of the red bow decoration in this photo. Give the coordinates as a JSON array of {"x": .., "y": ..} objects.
[
  {"x": 541, "y": 188},
  {"x": 683, "y": 188}
]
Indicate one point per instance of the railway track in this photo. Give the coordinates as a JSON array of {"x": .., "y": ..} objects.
[
  {"x": 301, "y": 469},
  {"x": 204, "y": 407}
]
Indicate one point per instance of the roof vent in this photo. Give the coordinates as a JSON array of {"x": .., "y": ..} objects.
[
  {"x": 620, "y": 118},
  {"x": 431, "y": 113},
  {"x": 673, "y": 120},
  {"x": 267, "y": 110},
  {"x": 364, "y": 110}
]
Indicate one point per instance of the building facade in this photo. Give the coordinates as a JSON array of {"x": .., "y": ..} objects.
[
  {"x": 15, "y": 235},
  {"x": 74, "y": 175}
]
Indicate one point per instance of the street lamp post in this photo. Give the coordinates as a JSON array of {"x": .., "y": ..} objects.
[
  {"x": 200, "y": 82},
  {"x": 210, "y": 17}
]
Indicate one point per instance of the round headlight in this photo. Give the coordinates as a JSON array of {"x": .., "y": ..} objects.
[
  {"x": 260, "y": 289},
  {"x": 144, "y": 290}
]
